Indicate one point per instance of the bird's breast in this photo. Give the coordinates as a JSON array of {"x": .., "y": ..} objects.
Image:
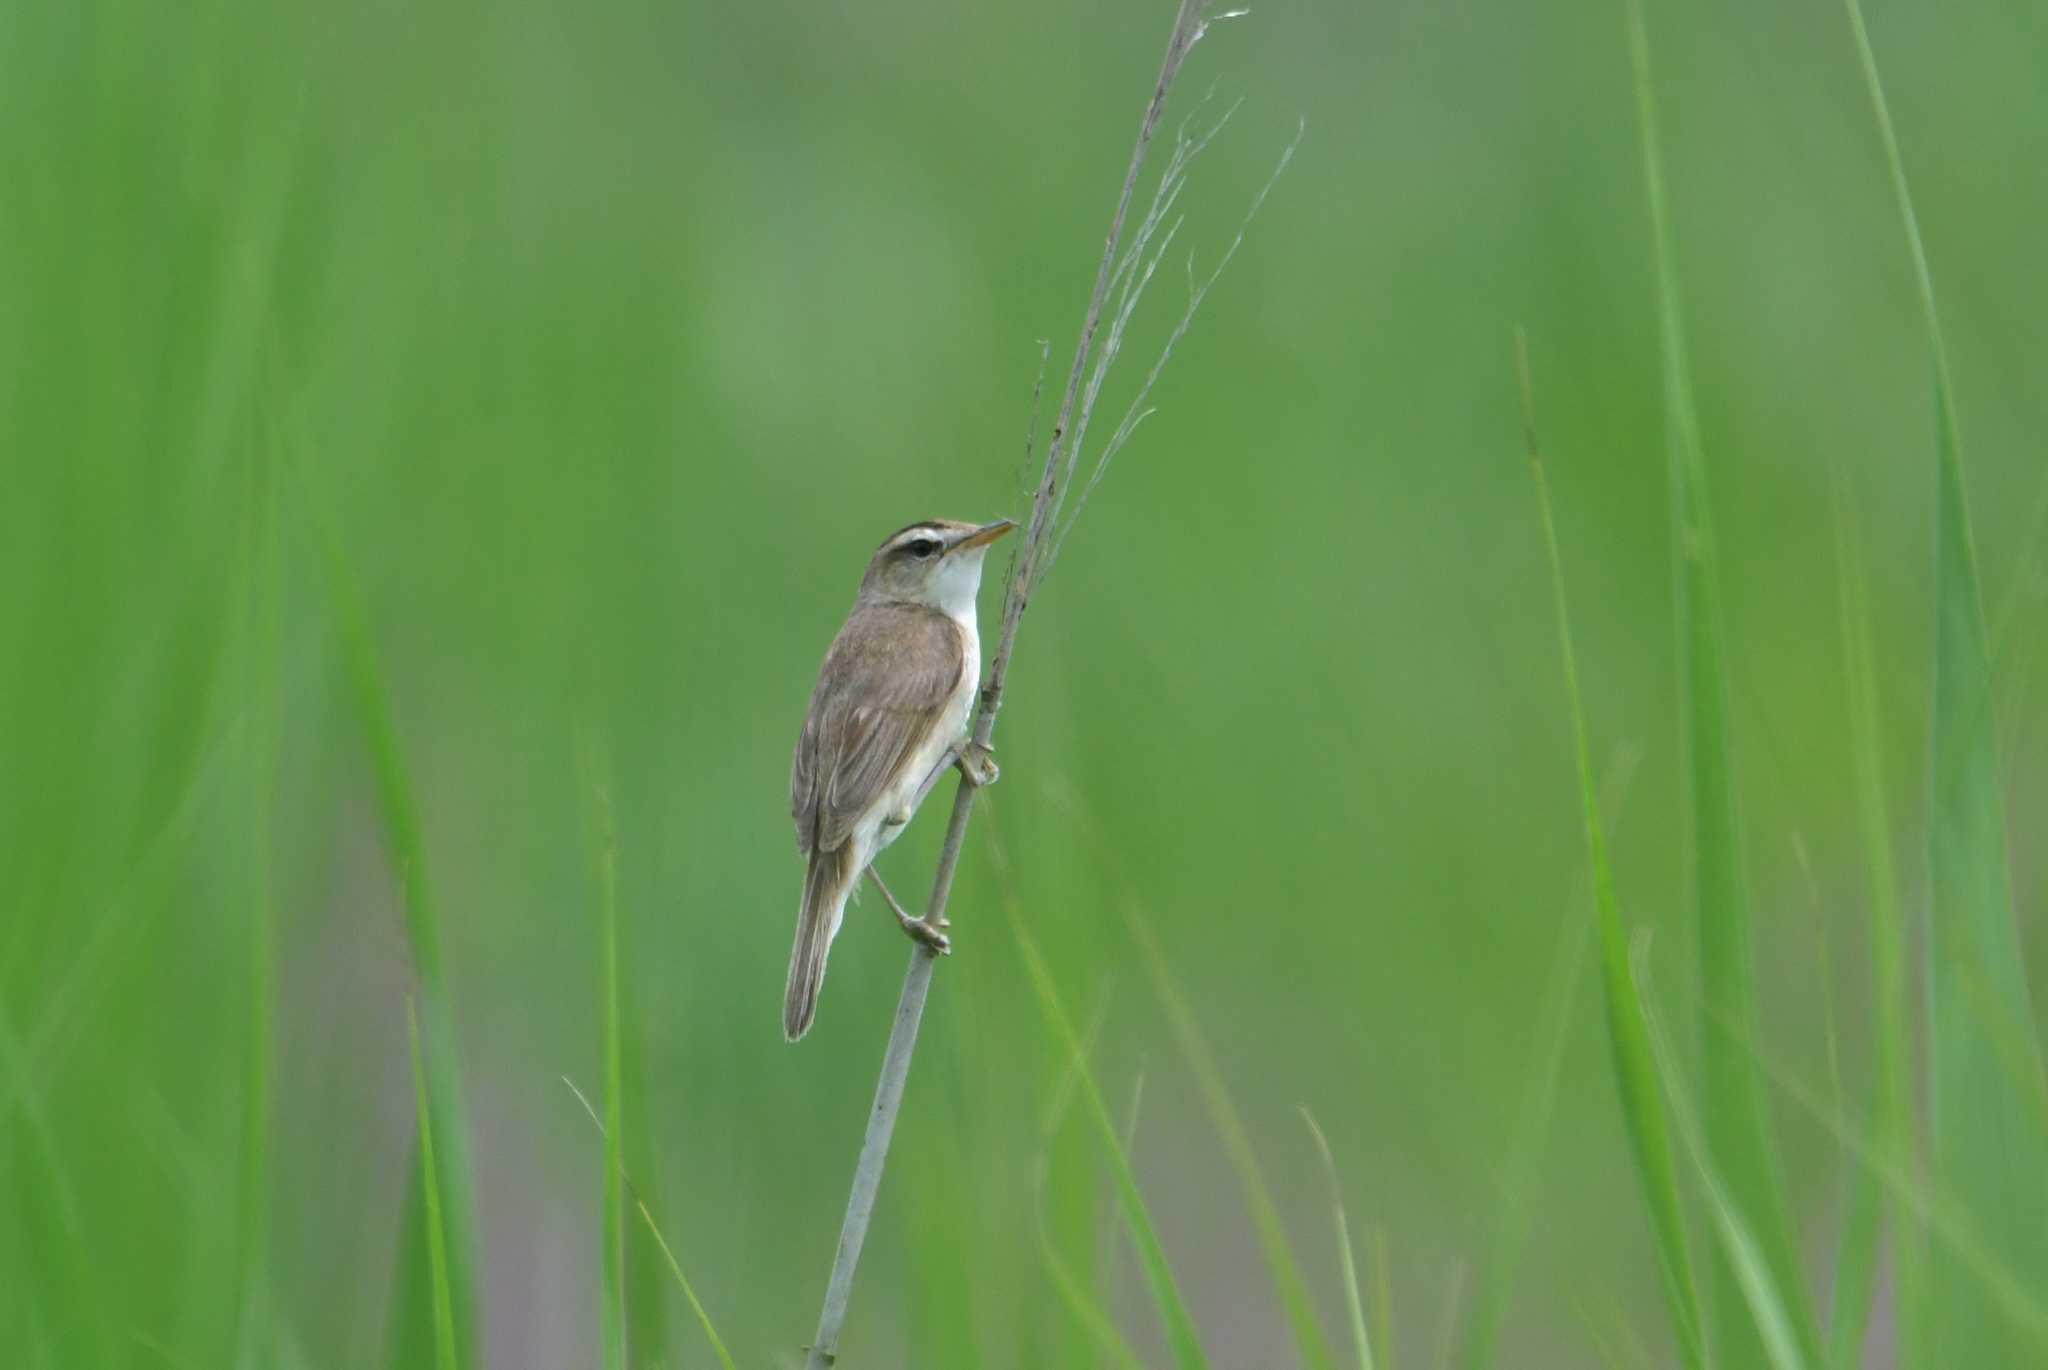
[{"x": 970, "y": 667}]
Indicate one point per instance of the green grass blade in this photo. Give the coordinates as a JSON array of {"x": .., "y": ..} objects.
[
  {"x": 1539, "y": 1101},
  {"x": 675, "y": 1268},
  {"x": 636, "y": 1309},
  {"x": 1489, "y": 1294},
  {"x": 1634, "y": 1071},
  {"x": 437, "y": 1240},
  {"x": 1382, "y": 1298},
  {"x": 1181, "y": 1338},
  {"x": 668, "y": 1255},
  {"x": 44, "y": 1221},
  {"x": 1074, "y": 1290},
  {"x": 1855, "y": 1260},
  {"x": 1769, "y": 1312},
  {"x": 1354, "y": 1301},
  {"x": 648, "y": 1332},
  {"x": 612, "y": 1318},
  {"x": 1989, "y": 1149},
  {"x": 1237, "y": 1145},
  {"x": 2022, "y": 1303},
  {"x": 1614, "y": 1340},
  {"x": 1082, "y": 1302},
  {"x": 1737, "y": 1133},
  {"x": 411, "y": 1329},
  {"x": 1892, "y": 1088},
  {"x": 257, "y": 680},
  {"x": 1990, "y": 1154}
]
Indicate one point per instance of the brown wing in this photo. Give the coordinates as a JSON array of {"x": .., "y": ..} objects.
[{"x": 884, "y": 685}]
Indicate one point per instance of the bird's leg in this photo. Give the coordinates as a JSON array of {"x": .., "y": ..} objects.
[
  {"x": 939, "y": 768},
  {"x": 919, "y": 931}
]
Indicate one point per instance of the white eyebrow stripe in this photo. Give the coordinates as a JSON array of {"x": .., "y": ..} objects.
[{"x": 919, "y": 532}]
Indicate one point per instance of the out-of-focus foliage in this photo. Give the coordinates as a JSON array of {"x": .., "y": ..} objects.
[{"x": 608, "y": 340}]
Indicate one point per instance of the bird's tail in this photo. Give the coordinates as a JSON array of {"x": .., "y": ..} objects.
[{"x": 826, "y": 885}]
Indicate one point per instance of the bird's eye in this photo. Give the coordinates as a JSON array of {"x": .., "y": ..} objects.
[{"x": 923, "y": 547}]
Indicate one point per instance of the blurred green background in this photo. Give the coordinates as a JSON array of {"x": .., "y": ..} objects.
[{"x": 601, "y": 344}]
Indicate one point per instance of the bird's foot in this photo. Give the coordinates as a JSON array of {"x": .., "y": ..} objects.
[
  {"x": 978, "y": 764},
  {"x": 926, "y": 935}
]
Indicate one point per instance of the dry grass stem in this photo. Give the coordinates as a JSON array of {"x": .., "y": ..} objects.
[{"x": 1043, "y": 533}]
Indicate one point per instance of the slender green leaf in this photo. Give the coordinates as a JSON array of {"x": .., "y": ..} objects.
[
  {"x": 1512, "y": 1201},
  {"x": 683, "y": 1283},
  {"x": 635, "y": 1293},
  {"x": 613, "y": 1316},
  {"x": 1990, "y": 1152},
  {"x": 1856, "y": 1259},
  {"x": 1237, "y": 1145},
  {"x": 1082, "y": 1302},
  {"x": 1354, "y": 1302},
  {"x": 1634, "y": 1071},
  {"x": 1181, "y": 1338},
  {"x": 668, "y": 1255},
  {"x": 636, "y": 1299},
  {"x": 1891, "y": 1110},
  {"x": 1768, "y": 1309},
  {"x": 1382, "y": 1297},
  {"x": 1075, "y": 1290},
  {"x": 1737, "y": 1133},
  {"x": 1615, "y": 1341},
  {"x": 647, "y": 1317},
  {"x": 1454, "y": 1292},
  {"x": 1539, "y": 1101},
  {"x": 1989, "y": 1148},
  {"x": 412, "y": 1329},
  {"x": 2021, "y": 1303},
  {"x": 256, "y": 678},
  {"x": 437, "y": 1240},
  {"x": 45, "y": 1218}
]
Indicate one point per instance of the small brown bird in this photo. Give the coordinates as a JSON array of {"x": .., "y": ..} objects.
[{"x": 887, "y": 718}]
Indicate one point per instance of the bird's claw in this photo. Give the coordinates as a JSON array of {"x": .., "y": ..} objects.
[
  {"x": 927, "y": 936},
  {"x": 978, "y": 764}
]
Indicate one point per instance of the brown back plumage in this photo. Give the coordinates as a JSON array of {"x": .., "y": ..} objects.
[
  {"x": 884, "y": 684},
  {"x": 883, "y": 689}
]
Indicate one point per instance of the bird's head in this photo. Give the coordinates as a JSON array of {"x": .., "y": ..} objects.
[{"x": 936, "y": 563}]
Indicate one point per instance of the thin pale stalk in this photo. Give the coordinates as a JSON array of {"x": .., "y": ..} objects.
[
  {"x": 1136, "y": 412},
  {"x": 1187, "y": 29}
]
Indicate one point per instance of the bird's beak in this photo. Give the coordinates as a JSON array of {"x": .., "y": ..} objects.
[{"x": 983, "y": 536}]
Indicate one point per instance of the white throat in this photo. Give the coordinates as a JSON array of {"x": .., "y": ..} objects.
[{"x": 956, "y": 584}]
